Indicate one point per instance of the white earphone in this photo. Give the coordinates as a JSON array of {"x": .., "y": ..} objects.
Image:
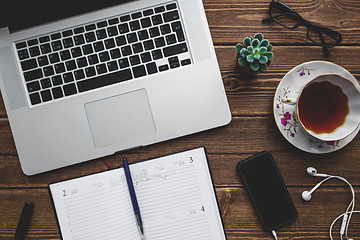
[{"x": 306, "y": 195}]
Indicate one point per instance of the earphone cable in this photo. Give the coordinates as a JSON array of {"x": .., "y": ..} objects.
[{"x": 274, "y": 234}]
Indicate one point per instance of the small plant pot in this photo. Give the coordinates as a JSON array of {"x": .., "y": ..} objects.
[{"x": 254, "y": 54}]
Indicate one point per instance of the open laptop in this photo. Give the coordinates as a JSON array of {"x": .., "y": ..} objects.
[{"x": 85, "y": 79}]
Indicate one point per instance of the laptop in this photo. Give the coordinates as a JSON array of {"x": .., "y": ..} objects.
[{"x": 85, "y": 79}]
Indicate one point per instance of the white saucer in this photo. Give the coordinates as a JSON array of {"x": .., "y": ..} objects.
[{"x": 288, "y": 125}]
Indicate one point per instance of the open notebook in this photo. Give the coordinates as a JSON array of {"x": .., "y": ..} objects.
[{"x": 175, "y": 195}]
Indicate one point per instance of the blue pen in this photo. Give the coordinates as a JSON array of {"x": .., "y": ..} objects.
[{"x": 133, "y": 196}]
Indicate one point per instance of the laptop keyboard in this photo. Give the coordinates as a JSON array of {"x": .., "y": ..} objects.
[{"x": 102, "y": 53}]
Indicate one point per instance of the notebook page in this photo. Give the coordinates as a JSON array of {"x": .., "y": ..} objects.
[
  {"x": 95, "y": 207},
  {"x": 176, "y": 197}
]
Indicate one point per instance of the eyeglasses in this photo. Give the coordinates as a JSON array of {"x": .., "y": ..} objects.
[{"x": 288, "y": 18}]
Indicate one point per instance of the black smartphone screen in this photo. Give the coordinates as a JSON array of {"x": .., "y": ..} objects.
[{"x": 267, "y": 191}]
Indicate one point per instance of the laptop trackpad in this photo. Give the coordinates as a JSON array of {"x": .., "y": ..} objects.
[{"x": 122, "y": 118}]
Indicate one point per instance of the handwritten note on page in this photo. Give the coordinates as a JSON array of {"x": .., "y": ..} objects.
[{"x": 175, "y": 195}]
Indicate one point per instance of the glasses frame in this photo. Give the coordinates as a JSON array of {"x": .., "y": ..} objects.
[{"x": 320, "y": 30}]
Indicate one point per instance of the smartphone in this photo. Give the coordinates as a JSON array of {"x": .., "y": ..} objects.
[{"x": 267, "y": 190}]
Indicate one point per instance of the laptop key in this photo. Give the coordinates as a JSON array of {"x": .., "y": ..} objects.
[
  {"x": 68, "y": 42},
  {"x": 145, "y": 57},
  {"x": 154, "y": 32},
  {"x": 171, "y": 6},
  {"x": 44, "y": 39},
  {"x": 34, "y": 51},
  {"x": 68, "y": 77},
  {"x": 185, "y": 62},
  {"x": 131, "y": 37},
  {"x": 32, "y": 42},
  {"x": 171, "y": 16},
  {"x": 151, "y": 68},
  {"x": 134, "y": 60},
  {"x": 57, "y": 93},
  {"x": 104, "y": 56},
  {"x": 113, "y": 21},
  {"x": 126, "y": 51},
  {"x": 70, "y": 65},
  {"x": 56, "y": 46},
  {"x": 90, "y": 37},
  {"x": 115, "y": 53},
  {"x": 65, "y": 55},
  {"x": 112, "y": 66},
  {"x": 175, "y": 49},
  {"x": 143, "y": 35},
  {"x": 90, "y": 72},
  {"x": 145, "y": 22},
  {"x": 79, "y": 30},
  {"x": 177, "y": 28},
  {"x": 124, "y": 28},
  {"x": 160, "y": 9},
  {"x": 124, "y": 63},
  {"x": 56, "y": 80},
  {"x": 43, "y": 61},
  {"x": 112, "y": 31},
  {"x": 45, "y": 83},
  {"x": 104, "y": 80},
  {"x": 69, "y": 89},
  {"x": 55, "y": 36},
  {"x": 157, "y": 54},
  {"x": 35, "y": 98},
  {"x": 148, "y": 12},
  {"x": 163, "y": 68},
  {"x": 79, "y": 39},
  {"x": 120, "y": 41},
  {"x": 136, "y": 15},
  {"x": 23, "y": 54},
  {"x": 98, "y": 46},
  {"x": 33, "y": 86},
  {"x": 48, "y": 71},
  {"x": 67, "y": 33},
  {"x": 28, "y": 64},
  {"x": 93, "y": 59},
  {"x": 76, "y": 52},
  {"x": 109, "y": 43},
  {"x": 125, "y": 18},
  {"x": 20, "y": 45},
  {"x": 139, "y": 71},
  {"x": 170, "y": 39},
  {"x": 46, "y": 95},
  {"x": 101, "y": 68},
  {"x": 101, "y": 34},
  {"x": 87, "y": 49},
  {"x": 33, "y": 74},
  {"x": 90, "y": 27},
  {"x": 134, "y": 25},
  {"x": 156, "y": 19},
  {"x": 59, "y": 68},
  {"x": 79, "y": 74},
  {"x": 54, "y": 58}
]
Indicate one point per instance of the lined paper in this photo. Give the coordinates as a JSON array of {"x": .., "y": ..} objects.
[{"x": 175, "y": 195}]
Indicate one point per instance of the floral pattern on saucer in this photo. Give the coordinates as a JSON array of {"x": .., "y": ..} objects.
[{"x": 285, "y": 115}]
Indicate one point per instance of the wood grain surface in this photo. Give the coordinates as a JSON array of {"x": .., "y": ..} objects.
[{"x": 252, "y": 129}]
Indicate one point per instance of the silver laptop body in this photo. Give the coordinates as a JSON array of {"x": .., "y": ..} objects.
[{"x": 58, "y": 121}]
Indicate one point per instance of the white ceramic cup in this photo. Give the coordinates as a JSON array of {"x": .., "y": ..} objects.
[{"x": 351, "y": 119}]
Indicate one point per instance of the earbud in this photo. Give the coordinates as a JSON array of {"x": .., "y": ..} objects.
[
  {"x": 306, "y": 195},
  {"x": 312, "y": 172}
]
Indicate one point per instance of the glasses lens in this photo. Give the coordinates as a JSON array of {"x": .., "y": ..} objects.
[
  {"x": 321, "y": 38},
  {"x": 285, "y": 18}
]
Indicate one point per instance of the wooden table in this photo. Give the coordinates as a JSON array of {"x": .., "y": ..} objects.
[{"x": 252, "y": 130}]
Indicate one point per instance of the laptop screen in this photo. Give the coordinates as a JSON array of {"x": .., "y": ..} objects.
[{"x": 22, "y": 14}]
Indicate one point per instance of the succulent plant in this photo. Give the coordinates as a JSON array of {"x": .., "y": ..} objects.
[{"x": 254, "y": 54}]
